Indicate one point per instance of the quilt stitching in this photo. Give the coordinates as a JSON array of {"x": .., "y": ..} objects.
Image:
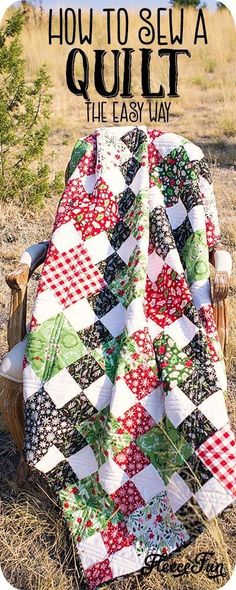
[{"x": 123, "y": 343}]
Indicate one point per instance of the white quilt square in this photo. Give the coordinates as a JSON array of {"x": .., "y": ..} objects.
[
  {"x": 154, "y": 329},
  {"x": 154, "y": 403},
  {"x": 182, "y": 331},
  {"x": 122, "y": 398},
  {"x": 111, "y": 476},
  {"x": 213, "y": 498},
  {"x": 178, "y": 406},
  {"x": 156, "y": 198},
  {"x": 31, "y": 382},
  {"x": 62, "y": 388},
  {"x": 178, "y": 492},
  {"x": 127, "y": 248},
  {"x": 173, "y": 260},
  {"x": 66, "y": 237},
  {"x": 125, "y": 561},
  {"x": 149, "y": 482},
  {"x": 92, "y": 550},
  {"x": 99, "y": 247},
  {"x": 114, "y": 320},
  {"x": 176, "y": 214},
  {"x": 197, "y": 218},
  {"x": 201, "y": 293},
  {"x": 135, "y": 316},
  {"x": 89, "y": 182},
  {"x": 168, "y": 142},
  {"x": 194, "y": 151},
  {"x": 219, "y": 367},
  {"x": 155, "y": 265},
  {"x": 46, "y": 306},
  {"x": 80, "y": 314},
  {"x": 116, "y": 182},
  {"x": 50, "y": 460},
  {"x": 84, "y": 462},
  {"x": 99, "y": 392},
  {"x": 214, "y": 409},
  {"x": 140, "y": 181}
]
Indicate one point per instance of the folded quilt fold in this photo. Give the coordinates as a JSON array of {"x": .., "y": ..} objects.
[{"x": 124, "y": 378}]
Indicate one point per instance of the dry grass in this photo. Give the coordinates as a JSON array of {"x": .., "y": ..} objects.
[
  {"x": 36, "y": 553},
  {"x": 207, "y": 82}
]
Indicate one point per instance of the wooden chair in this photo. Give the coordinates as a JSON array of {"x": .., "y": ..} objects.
[{"x": 11, "y": 393}]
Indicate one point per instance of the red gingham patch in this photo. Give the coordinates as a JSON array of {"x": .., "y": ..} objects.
[
  {"x": 131, "y": 459},
  {"x": 136, "y": 420},
  {"x": 98, "y": 573},
  {"x": 218, "y": 455},
  {"x": 141, "y": 380},
  {"x": 63, "y": 271},
  {"x": 127, "y": 498},
  {"x": 116, "y": 536}
]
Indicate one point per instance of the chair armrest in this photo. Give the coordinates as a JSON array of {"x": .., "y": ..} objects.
[
  {"x": 222, "y": 262},
  {"x": 220, "y": 286},
  {"x": 16, "y": 327},
  {"x": 17, "y": 280},
  {"x": 30, "y": 260},
  {"x": 35, "y": 255}
]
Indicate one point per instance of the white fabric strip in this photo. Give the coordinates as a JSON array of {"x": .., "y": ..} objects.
[{"x": 223, "y": 261}]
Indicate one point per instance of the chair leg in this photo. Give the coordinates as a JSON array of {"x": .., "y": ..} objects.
[
  {"x": 220, "y": 312},
  {"x": 23, "y": 471},
  {"x": 11, "y": 406}
]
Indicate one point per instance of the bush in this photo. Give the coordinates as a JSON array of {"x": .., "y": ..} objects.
[
  {"x": 24, "y": 114},
  {"x": 184, "y": 3}
]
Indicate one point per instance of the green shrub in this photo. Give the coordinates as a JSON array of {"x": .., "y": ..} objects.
[{"x": 24, "y": 129}]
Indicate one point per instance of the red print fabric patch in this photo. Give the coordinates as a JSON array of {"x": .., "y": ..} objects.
[
  {"x": 127, "y": 498},
  {"x": 166, "y": 297},
  {"x": 116, "y": 536},
  {"x": 141, "y": 381},
  {"x": 131, "y": 459}
]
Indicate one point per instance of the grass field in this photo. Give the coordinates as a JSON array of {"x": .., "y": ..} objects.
[{"x": 35, "y": 552}]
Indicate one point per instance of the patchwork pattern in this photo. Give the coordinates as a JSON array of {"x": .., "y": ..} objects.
[
  {"x": 53, "y": 346},
  {"x": 123, "y": 373},
  {"x": 61, "y": 273},
  {"x": 167, "y": 296},
  {"x": 218, "y": 455},
  {"x": 161, "y": 532},
  {"x": 165, "y": 448}
]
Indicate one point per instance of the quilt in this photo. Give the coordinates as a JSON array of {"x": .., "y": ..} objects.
[{"x": 124, "y": 378}]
